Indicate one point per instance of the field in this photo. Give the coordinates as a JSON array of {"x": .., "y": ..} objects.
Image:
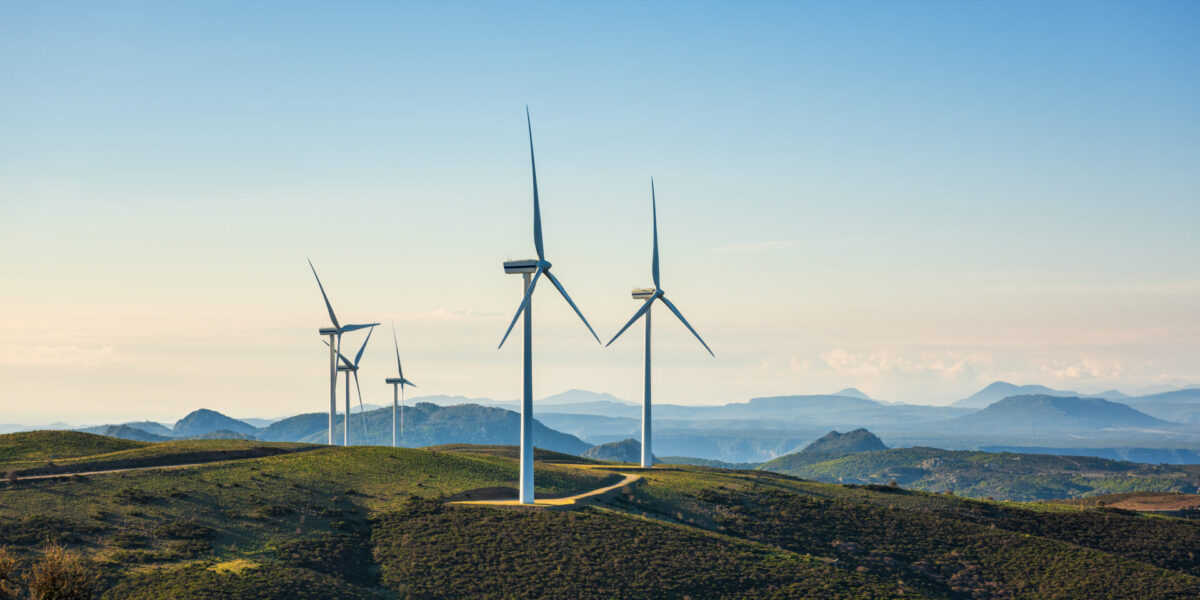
[{"x": 372, "y": 522}]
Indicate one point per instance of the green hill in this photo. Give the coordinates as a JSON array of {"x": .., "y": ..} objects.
[
  {"x": 1002, "y": 475},
  {"x": 371, "y": 522},
  {"x": 624, "y": 451},
  {"x": 205, "y": 421},
  {"x": 859, "y": 440},
  {"x": 53, "y": 445}
]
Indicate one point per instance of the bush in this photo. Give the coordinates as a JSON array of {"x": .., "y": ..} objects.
[
  {"x": 12, "y": 477},
  {"x": 61, "y": 575},
  {"x": 8, "y": 567},
  {"x": 184, "y": 530}
]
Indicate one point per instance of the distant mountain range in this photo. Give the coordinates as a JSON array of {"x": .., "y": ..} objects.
[{"x": 1163, "y": 425}]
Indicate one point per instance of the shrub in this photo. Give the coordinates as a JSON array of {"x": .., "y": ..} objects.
[
  {"x": 61, "y": 575},
  {"x": 12, "y": 477},
  {"x": 8, "y": 567},
  {"x": 184, "y": 530}
]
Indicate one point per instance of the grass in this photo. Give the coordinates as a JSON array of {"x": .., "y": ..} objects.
[
  {"x": 41, "y": 446},
  {"x": 371, "y": 522}
]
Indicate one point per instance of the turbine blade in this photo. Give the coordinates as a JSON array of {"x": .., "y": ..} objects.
[
  {"x": 343, "y": 358},
  {"x": 350, "y": 328},
  {"x": 637, "y": 315},
  {"x": 328, "y": 306},
  {"x": 537, "y": 211},
  {"x": 358, "y": 357},
  {"x": 407, "y": 382},
  {"x": 362, "y": 417},
  {"x": 398, "y": 367},
  {"x": 521, "y": 308},
  {"x": 562, "y": 291},
  {"x": 654, "y": 212},
  {"x": 686, "y": 324}
]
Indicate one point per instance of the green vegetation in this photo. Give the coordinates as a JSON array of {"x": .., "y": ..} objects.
[
  {"x": 372, "y": 522},
  {"x": 32, "y": 446},
  {"x": 1000, "y": 475}
]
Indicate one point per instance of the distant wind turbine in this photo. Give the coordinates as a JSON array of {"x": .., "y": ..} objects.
[
  {"x": 335, "y": 348},
  {"x": 398, "y": 384},
  {"x": 351, "y": 368},
  {"x": 532, "y": 270},
  {"x": 648, "y": 296}
]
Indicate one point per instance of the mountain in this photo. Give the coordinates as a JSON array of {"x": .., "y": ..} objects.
[
  {"x": 1001, "y": 390},
  {"x": 222, "y": 434},
  {"x": 205, "y": 421},
  {"x": 581, "y": 397},
  {"x": 852, "y": 393},
  {"x": 585, "y": 426},
  {"x": 1003, "y": 476},
  {"x": 425, "y": 424},
  {"x": 625, "y": 451},
  {"x": 1180, "y": 406},
  {"x": 127, "y": 432},
  {"x": 150, "y": 427},
  {"x": 1056, "y": 413},
  {"x": 1113, "y": 395},
  {"x": 859, "y": 440}
]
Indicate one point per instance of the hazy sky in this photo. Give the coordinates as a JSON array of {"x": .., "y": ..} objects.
[{"x": 912, "y": 198}]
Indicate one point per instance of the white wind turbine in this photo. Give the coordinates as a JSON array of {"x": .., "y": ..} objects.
[
  {"x": 351, "y": 368},
  {"x": 398, "y": 384},
  {"x": 335, "y": 348},
  {"x": 648, "y": 296},
  {"x": 531, "y": 271}
]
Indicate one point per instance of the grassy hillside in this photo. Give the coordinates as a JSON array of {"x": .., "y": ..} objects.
[
  {"x": 55, "y": 445},
  {"x": 370, "y": 522},
  {"x": 1000, "y": 475}
]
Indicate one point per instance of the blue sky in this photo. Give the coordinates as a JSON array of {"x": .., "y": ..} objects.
[{"x": 915, "y": 199}]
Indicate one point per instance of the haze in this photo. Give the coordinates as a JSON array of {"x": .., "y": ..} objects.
[{"x": 907, "y": 199}]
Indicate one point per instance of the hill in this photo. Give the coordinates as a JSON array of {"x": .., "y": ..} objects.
[
  {"x": 1056, "y": 413},
  {"x": 625, "y": 451},
  {"x": 425, "y": 424},
  {"x": 127, "y": 432},
  {"x": 371, "y": 522},
  {"x": 852, "y": 393},
  {"x": 205, "y": 421},
  {"x": 55, "y": 445},
  {"x": 859, "y": 440},
  {"x": 1003, "y": 475},
  {"x": 1001, "y": 389},
  {"x": 583, "y": 397}
]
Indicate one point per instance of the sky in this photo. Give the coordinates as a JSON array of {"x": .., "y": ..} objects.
[{"x": 915, "y": 199}]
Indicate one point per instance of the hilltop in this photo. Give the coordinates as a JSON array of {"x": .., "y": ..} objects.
[
  {"x": 625, "y": 451},
  {"x": 368, "y": 522},
  {"x": 1001, "y": 475},
  {"x": 1000, "y": 390},
  {"x": 859, "y": 440},
  {"x": 204, "y": 421},
  {"x": 1056, "y": 413}
]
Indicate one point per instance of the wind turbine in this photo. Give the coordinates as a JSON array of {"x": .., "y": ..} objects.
[
  {"x": 335, "y": 348},
  {"x": 351, "y": 368},
  {"x": 531, "y": 270},
  {"x": 398, "y": 384},
  {"x": 648, "y": 296}
]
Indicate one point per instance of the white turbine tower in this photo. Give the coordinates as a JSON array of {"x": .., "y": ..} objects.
[
  {"x": 398, "y": 384},
  {"x": 335, "y": 348},
  {"x": 531, "y": 271},
  {"x": 648, "y": 296},
  {"x": 351, "y": 368}
]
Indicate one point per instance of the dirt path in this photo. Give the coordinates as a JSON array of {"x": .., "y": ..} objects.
[
  {"x": 558, "y": 502},
  {"x": 106, "y": 471}
]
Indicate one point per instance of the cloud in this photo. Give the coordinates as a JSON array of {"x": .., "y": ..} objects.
[
  {"x": 460, "y": 313},
  {"x": 1088, "y": 369},
  {"x": 749, "y": 247},
  {"x": 947, "y": 365}
]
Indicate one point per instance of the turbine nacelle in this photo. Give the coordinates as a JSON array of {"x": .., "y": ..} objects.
[
  {"x": 530, "y": 265},
  {"x": 646, "y": 293}
]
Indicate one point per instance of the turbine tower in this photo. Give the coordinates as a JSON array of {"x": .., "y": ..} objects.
[
  {"x": 648, "y": 296},
  {"x": 398, "y": 384},
  {"x": 531, "y": 270},
  {"x": 351, "y": 368},
  {"x": 335, "y": 348}
]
